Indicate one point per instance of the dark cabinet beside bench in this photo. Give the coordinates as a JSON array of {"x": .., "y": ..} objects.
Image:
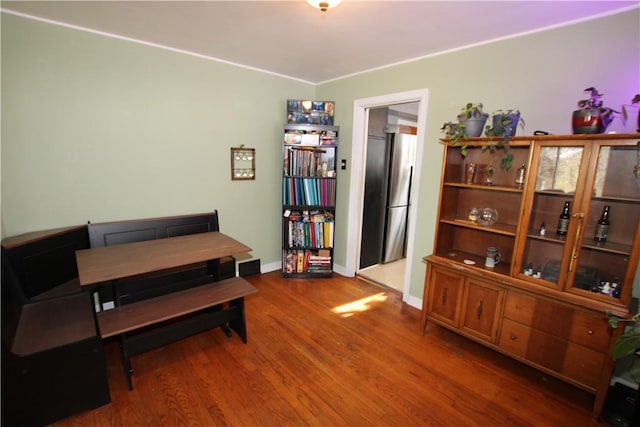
[{"x": 53, "y": 362}]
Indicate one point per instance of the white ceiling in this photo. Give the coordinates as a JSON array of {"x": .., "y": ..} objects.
[{"x": 292, "y": 39}]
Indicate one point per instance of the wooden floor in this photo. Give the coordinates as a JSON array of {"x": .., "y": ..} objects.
[{"x": 332, "y": 352}]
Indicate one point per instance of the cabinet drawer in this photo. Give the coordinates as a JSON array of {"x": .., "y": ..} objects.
[
  {"x": 539, "y": 313},
  {"x": 520, "y": 307},
  {"x": 514, "y": 337},
  {"x": 583, "y": 364},
  {"x": 590, "y": 330}
]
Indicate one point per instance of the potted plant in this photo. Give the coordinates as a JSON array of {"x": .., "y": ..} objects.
[
  {"x": 592, "y": 117},
  {"x": 473, "y": 119},
  {"x": 626, "y": 345},
  {"x": 504, "y": 124},
  {"x": 488, "y": 180},
  {"x": 470, "y": 124}
]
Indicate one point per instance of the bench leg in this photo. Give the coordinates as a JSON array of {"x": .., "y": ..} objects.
[
  {"x": 224, "y": 326},
  {"x": 126, "y": 362},
  {"x": 238, "y": 324},
  {"x": 226, "y": 330},
  {"x": 213, "y": 269}
]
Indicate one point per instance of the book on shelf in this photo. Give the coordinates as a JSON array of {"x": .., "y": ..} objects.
[
  {"x": 309, "y": 230},
  {"x": 303, "y": 161},
  {"x": 309, "y": 191},
  {"x": 306, "y": 261}
]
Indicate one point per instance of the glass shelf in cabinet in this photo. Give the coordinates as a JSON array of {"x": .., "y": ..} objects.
[
  {"x": 531, "y": 277},
  {"x": 503, "y": 188},
  {"x": 628, "y": 200},
  {"x": 497, "y": 228},
  {"x": 610, "y": 247},
  {"x": 595, "y": 295},
  {"x": 554, "y": 193},
  {"x": 551, "y": 238}
]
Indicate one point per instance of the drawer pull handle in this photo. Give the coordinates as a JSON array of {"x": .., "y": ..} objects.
[
  {"x": 513, "y": 337},
  {"x": 479, "y": 311},
  {"x": 590, "y": 332},
  {"x": 444, "y": 296}
]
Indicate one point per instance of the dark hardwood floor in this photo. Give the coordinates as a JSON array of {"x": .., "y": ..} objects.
[{"x": 332, "y": 352}]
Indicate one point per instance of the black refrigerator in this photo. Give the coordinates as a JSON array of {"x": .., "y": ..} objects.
[{"x": 388, "y": 175}]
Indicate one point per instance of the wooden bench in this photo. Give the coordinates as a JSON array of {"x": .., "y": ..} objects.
[
  {"x": 156, "y": 308},
  {"x": 53, "y": 362},
  {"x": 145, "y": 313},
  {"x": 155, "y": 322}
]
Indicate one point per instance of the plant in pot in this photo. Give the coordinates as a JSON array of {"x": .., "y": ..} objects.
[
  {"x": 473, "y": 119},
  {"x": 626, "y": 345},
  {"x": 592, "y": 117},
  {"x": 490, "y": 170},
  {"x": 469, "y": 125},
  {"x": 505, "y": 124}
]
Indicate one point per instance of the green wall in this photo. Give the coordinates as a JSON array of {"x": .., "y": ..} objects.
[{"x": 100, "y": 129}]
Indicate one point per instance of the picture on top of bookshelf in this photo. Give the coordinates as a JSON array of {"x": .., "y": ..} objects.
[{"x": 310, "y": 112}]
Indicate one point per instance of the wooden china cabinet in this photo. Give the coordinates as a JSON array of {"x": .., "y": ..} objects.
[{"x": 545, "y": 301}]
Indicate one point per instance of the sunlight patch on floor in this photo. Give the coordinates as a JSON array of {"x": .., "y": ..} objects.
[{"x": 358, "y": 306}]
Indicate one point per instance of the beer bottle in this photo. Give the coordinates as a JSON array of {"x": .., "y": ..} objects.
[
  {"x": 563, "y": 221},
  {"x": 602, "y": 226}
]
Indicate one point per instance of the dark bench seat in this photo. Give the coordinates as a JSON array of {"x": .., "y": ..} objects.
[
  {"x": 56, "y": 322},
  {"x": 155, "y": 322},
  {"x": 130, "y": 317}
]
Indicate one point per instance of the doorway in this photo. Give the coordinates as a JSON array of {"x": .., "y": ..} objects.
[
  {"x": 356, "y": 205},
  {"x": 390, "y": 159}
]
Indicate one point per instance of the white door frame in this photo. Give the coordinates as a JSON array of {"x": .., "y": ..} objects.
[{"x": 358, "y": 162}]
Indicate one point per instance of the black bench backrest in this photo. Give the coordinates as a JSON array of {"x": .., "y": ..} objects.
[
  {"x": 119, "y": 232},
  {"x": 45, "y": 262}
]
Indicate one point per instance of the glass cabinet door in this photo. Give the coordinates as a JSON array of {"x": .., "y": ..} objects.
[
  {"x": 557, "y": 175},
  {"x": 597, "y": 183},
  {"x": 604, "y": 250}
]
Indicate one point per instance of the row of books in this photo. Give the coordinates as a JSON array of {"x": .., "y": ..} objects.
[
  {"x": 306, "y": 261},
  {"x": 305, "y": 230},
  {"x": 308, "y": 161},
  {"x": 309, "y": 191}
]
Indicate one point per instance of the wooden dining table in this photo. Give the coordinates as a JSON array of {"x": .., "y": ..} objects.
[{"x": 110, "y": 263}]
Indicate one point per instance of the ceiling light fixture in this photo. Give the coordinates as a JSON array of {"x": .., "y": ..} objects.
[{"x": 323, "y": 5}]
